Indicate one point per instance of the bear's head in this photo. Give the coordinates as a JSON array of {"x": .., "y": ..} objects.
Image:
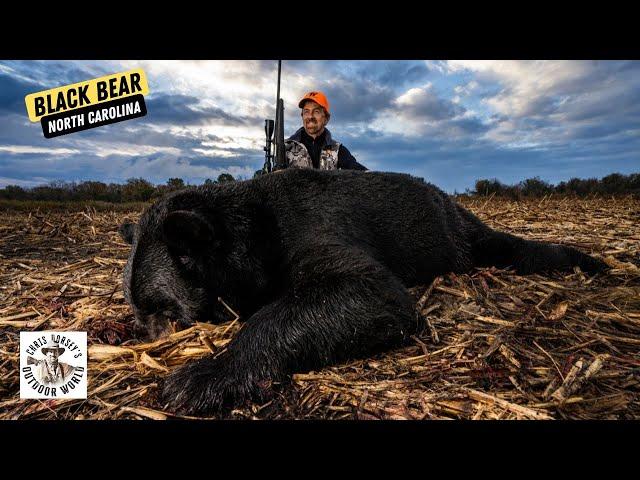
[{"x": 188, "y": 254}]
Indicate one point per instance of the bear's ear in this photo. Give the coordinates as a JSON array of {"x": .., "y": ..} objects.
[
  {"x": 127, "y": 230},
  {"x": 188, "y": 232}
]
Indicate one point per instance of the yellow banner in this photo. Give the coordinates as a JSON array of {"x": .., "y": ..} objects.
[{"x": 90, "y": 92}]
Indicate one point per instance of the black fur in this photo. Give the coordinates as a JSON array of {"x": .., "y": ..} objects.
[
  {"x": 317, "y": 262},
  {"x": 127, "y": 231}
]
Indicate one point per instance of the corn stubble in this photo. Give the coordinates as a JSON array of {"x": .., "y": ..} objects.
[{"x": 496, "y": 345}]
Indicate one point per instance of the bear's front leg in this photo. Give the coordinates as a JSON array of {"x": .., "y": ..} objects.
[
  {"x": 341, "y": 305},
  {"x": 213, "y": 383}
]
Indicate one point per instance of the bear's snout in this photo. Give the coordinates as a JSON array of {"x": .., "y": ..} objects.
[{"x": 152, "y": 327}]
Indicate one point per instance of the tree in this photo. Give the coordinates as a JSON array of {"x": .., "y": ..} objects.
[
  {"x": 92, "y": 191},
  {"x": 534, "y": 187},
  {"x": 13, "y": 192},
  {"x": 225, "y": 177},
  {"x": 488, "y": 187},
  {"x": 175, "y": 184},
  {"x": 137, "y": 190},
  {"x": 613, "y": 183}
]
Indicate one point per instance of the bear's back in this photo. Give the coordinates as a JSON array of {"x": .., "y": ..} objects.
[{"x": 406, "y": 223}]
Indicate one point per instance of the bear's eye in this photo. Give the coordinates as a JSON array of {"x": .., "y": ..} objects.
[{"x": 185, "y": 261}]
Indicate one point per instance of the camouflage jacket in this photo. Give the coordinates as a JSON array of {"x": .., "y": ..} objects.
[
  {"x": 53, "y": 376},
  {"x": 298, "y": 156}
]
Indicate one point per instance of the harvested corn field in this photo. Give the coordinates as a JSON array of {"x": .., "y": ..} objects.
[{"x": 496, "y": 346}]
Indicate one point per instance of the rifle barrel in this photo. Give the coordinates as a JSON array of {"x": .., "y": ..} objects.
[
  {"x": 279, "y": 136},
  {"x": 278, "y": 94}
]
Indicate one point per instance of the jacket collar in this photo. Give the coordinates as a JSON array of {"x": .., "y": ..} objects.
[{"x": 328, "y": 140}]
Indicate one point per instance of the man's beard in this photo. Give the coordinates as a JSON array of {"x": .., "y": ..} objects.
[{"x": 313, "y": 127}]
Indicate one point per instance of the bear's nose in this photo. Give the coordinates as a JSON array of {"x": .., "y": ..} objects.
[{"x": 157, "y": 325}]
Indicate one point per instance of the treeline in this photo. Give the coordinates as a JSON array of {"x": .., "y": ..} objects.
[
  {"x": 141, "y": 190},
  {"x": 134, "y": 190},
  {"x": 614, "y": 184}
]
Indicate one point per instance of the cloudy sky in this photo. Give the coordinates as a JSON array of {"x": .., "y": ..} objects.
[{"x": 450, "y": 122}]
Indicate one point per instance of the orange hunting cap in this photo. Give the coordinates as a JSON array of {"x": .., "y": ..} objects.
[{"x": 317, "y": 97}]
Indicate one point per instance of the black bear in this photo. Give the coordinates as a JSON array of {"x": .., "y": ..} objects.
[{"x": 317, "y": 262}]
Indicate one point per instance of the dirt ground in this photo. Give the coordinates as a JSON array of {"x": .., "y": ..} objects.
[{"x": 497, "y": 346}]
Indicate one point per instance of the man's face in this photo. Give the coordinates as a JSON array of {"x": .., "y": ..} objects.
[
  {"x": 52, "y": 356},
  {"x": 314, "y": 118}
]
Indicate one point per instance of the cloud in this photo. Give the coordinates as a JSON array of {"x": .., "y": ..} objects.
[
  {"x": 55, "y": 73},
  {"x": 391, "y": 74},
  {"x": 545, "y": 103},
  {"x": 187, "y": 110},
  {"x": 31, "y": 182},
  {"x": 420, "y": 112},
  {"x": 12, "y": 92},
  {"x": 16, "y": 129},
  {"x": 21, "y": 149},
  {"x": 423, "y": 104},
  {"x": 466, "y": 89}
]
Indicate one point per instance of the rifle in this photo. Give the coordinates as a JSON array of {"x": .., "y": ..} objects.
[
  {"x": 33, "y": 361},
  {"x": 269, "y": 129},
  {"x": 268, "y": 156}
]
